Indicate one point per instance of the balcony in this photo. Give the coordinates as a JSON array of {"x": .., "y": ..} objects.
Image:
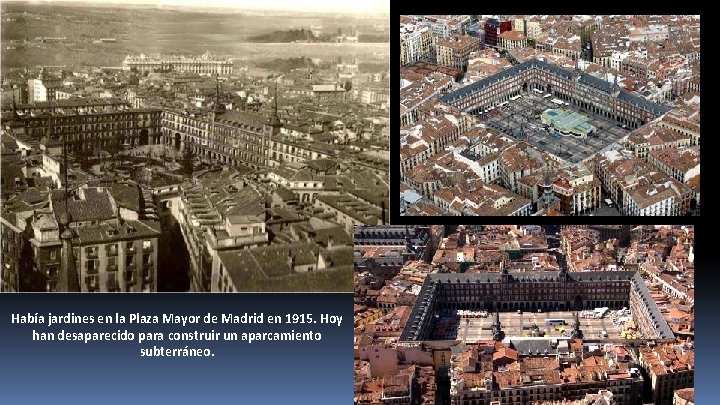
[
  {"x": 91, "y": 284},
  {"x": 206, "y": 277},
  {"x": 112, "y": 285}
]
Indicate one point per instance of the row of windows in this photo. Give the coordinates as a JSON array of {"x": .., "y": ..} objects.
[
  {"x": 94, "y": 118},
  {"x": 112, "y": 248},
  {"x": 534, "y": 284}
]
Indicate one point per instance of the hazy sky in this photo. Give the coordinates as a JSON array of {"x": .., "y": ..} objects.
[{"x": 332, "y": 6}]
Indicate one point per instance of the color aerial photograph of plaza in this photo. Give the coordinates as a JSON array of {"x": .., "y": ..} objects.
[
  {"x": 227, "y": 146},
  {"x": 524, "y": 315},
  {"x": 519, "y": 115}
]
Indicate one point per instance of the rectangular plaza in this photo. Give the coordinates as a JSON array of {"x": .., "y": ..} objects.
[
  {"x": 520, "y": 118},
  {"x": 470, "y": 330}
]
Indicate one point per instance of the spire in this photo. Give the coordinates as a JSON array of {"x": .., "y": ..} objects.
[
  {"x": 547, "y": 183},
  {"x": 65, "y": 163},
  {"x": 68, "y": 279},
  {"x": 219, "y": 108},
  {"x": 548, "y": 197},
  {"x": 275, "y": 122},
  {"x": 275, "y": 100}
]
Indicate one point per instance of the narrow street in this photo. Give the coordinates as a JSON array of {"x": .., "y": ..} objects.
[{"x": 173, "y": 257}]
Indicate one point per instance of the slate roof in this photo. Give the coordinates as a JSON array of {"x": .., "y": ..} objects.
[
  {"x": 420, "y": 314},
  {"x": 126, "y": 195},
  {"x": 74, "y": 102},
  {"x": 602, "y": 85},
  {"x": 242, "y": 117},
  {"x": 285, "y": 194},
  {"x": 322, "y": 165},
  {"x": 537, "y": 346},
  {"x": 107, "y": 233},
  {"x": 266, "y": 261},
  {"x": 97, "y": 205},
  {"x": 248, "y": 203},
  {"x": 34, "y": 195}
]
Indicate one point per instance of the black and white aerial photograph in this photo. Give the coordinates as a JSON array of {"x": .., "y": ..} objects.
[{"x": 171, "y": 145}]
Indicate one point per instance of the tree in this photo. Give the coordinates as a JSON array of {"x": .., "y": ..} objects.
[
  {"x": 113, "y": 149},
  {"x": 188, "y": 160},
  {"x": 83, "y": 157},
  {"x": 348, "y": 85}
]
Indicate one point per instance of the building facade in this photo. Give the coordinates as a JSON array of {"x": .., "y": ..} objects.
[
  {"x": 416, "y": 44},
  {"x": 546, "y": 290},
  {"x": 206, "y": 64},
  {"x": 577, "y": 88},
  {"x": 111, "y": 254},
  {"x": 511, "y": 40},
  {"x": 42, "y": 90},
  {"x": 670, "y": 367},
  {"x": 493, "y": 29},
  {"x": 92, "y": 128},
  {"x": 124, "y": 259},
  {"x": 455, "y": 51},
  {"x": 234, "y": 138}
]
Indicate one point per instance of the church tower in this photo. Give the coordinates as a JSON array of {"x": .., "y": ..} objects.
[
  {"x": 275, "y": 122},
  {"x": 68, "y": 279},
  {"x": 548, "y": 200}
]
